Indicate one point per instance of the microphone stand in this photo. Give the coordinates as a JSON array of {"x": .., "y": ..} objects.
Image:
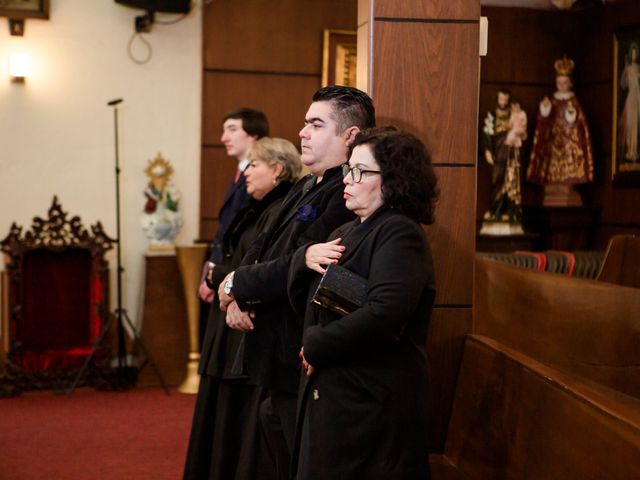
[
  {"x": 123, "y": 379},
  {"x": 120, "y": 312}
]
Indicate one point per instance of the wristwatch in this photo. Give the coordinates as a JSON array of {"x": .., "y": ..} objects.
[{"x": 228, "y": 285}]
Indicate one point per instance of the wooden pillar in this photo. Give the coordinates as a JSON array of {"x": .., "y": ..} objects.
[{"x": 418, "y": 59}]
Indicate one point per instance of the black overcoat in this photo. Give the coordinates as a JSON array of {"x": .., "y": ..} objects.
[
  {"x": 364, "y": 411},
  {"x": 310, "y": 213},
  {"x": 248, "y": 224}
]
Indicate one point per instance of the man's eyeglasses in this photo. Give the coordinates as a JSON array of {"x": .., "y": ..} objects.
[{"x": 356, "y": 172}]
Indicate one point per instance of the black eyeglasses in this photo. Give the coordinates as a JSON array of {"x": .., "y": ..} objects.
[{"x": 356, "y": 172}]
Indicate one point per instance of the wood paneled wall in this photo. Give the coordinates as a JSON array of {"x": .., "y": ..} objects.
[
  {"x": 265, "y": 55},
  {"x": 620, "y": 212},
  {"x": 422, "y": 72},
  {"x": 523, "y": 45}
]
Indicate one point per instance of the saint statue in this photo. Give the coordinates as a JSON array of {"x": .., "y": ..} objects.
[
  {"x": 161, "y": 220},
  {"x": 629, "y": 129},
  {"x": 504, "y": 130},
  {"x": 562, "y": 155}
]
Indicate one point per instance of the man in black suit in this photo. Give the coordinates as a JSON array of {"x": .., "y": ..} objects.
[
  {"x": 240, "y": 130},
  {"x": 255, "y": 295}
]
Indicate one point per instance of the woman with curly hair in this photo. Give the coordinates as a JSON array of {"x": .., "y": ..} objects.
[{"x": 364, "y": 401}]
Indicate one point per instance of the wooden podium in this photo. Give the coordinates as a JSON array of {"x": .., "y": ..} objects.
[{"x": 164, "y": 330}]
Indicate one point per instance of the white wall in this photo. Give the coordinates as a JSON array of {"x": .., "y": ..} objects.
[{"x": 57, "y": 133}]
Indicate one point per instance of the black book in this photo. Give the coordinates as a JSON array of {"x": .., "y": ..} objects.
[{"x": 340, "y": 290}]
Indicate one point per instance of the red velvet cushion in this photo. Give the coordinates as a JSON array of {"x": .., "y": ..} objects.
[{"x": 58, "y": 323}]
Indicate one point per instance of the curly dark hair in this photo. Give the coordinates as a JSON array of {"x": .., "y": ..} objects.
[
  {"x": 350, "y": 106},
  {"x": 409, "y": 182}
]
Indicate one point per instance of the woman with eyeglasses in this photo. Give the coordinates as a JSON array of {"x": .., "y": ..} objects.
[{"x": 365, "y": 395}]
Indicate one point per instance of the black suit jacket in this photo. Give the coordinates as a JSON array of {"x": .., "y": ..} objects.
[
  {"x": 364, "y": 410},
  {"x": 235, "y": 199},
  {"x": 309, "y": 213}
]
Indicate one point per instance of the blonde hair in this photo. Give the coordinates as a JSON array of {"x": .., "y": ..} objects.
[{"x": 280, "y": 151}]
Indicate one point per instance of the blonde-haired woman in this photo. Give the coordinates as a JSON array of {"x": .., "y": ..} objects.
[{"x": 224, "y": 441}]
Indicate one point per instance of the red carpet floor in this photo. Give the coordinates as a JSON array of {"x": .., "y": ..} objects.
[{"x": 136, "y": 435}]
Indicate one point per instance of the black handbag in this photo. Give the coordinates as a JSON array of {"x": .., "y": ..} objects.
[{"x": 340, "y": 290}]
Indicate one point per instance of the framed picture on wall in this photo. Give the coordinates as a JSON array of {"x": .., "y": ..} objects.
[
  {"x": 20, "y": 9},
  {"x": 625, "y": 158},
  {"x": 339, "y": 58}
]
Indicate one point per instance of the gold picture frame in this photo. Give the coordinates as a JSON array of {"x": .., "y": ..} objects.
[
  {"x": 339, "y": 57},
  {"x": 625, "y": 150}
]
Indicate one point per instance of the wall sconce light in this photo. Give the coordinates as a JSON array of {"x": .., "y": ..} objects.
[{"x": 18, "y": 67}]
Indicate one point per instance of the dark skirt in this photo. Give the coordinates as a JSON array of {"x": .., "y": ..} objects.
[
  {"x": 225, "y": 442},
  {"x": 198, "y": 462},
  {"x": 238, "y": 450}
]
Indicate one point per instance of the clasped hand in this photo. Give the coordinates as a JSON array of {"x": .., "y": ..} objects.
[
  {"x": 225, "y": 298},
  {"x": 236, "y": 318},
  {"x": 239, "y": 320},
  {"x": 206, "y": 294}
]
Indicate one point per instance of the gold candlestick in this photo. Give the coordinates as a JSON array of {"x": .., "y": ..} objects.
[{"x": 190, "y": 260}]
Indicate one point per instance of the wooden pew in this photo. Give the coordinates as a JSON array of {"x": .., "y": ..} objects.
[
  {"x": 549, "y": 386},
  {"x": 585, "y": 327},
  {"x": 516, "y": 418}
]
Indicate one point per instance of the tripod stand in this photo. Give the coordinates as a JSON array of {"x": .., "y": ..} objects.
[{"x": 122, "y": 380}]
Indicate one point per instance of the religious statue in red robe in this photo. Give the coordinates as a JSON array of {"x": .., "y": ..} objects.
[{"x": 562, "y": 153}]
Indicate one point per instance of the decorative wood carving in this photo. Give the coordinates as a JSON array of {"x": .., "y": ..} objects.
[{"x": 55, "y": 233}]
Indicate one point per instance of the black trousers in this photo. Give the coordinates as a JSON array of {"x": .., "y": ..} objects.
[{"x": 278, "y": 426}]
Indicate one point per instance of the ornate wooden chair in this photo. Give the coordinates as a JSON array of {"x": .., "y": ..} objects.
[{"x": 57, "y": 295}]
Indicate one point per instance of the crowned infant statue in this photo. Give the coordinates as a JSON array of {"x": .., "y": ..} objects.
[
  {"x": 562, "y": 155},
  {"x": 161, "y": 220}
]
